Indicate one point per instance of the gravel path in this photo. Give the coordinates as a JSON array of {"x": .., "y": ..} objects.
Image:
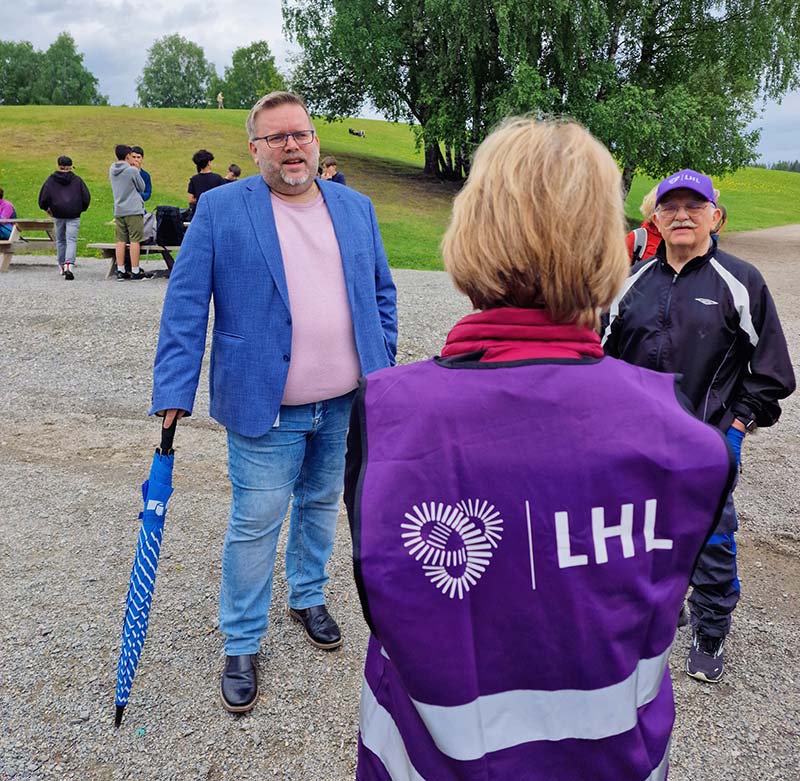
[{"x": 75, "y": 363}]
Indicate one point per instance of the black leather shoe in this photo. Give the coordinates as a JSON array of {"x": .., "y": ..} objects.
[
  {"x": 239, "y": 683},
  {"x": 322, "y": 631}
]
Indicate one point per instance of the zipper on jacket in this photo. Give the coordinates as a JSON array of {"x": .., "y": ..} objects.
[
  {"x": 713, "y": 380},
  {"x": 664, "y": 322}
]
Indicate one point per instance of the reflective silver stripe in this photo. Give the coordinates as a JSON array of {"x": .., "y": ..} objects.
[
  {"x": 497, "y": 721},
  {"x": 741, "y": 300},
  {"x": 380, "y": 735},
  {"x": 613, "y": 313}
]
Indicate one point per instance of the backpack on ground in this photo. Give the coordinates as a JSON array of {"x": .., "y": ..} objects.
[
  {"x": 150, "y": 226},
  {"x": 169, "y": 226},
  {"x": 639, "y": 244}
]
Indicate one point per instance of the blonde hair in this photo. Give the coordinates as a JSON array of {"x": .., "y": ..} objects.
[
  {"x": 648, "y": 206},
  {"x": 273, "y": 100},
  {"x": 539, "y": 222}
]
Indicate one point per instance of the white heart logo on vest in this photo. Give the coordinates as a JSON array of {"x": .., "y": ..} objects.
[{"x": 453, "y": 544}]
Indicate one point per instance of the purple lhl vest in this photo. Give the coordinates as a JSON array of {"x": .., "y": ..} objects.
[{"x": 523, "y": 539}]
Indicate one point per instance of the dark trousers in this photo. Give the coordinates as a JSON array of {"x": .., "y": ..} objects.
[{"x": 715, "y": 583}]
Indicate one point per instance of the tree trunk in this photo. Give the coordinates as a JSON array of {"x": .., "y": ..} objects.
[
  {"x": 432, "y": 155},
  {"x": 628, "y": 171}
]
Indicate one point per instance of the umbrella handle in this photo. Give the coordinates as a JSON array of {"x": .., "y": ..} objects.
[{"x": 167, "y": 435}]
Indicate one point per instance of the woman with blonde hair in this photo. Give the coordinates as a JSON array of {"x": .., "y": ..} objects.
[
  {"x": 526, "y": 513},
  {"x": 643, "y": 242}
]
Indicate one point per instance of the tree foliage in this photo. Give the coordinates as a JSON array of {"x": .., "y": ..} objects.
[
  {"x": 176, "y": 75},
  {"x": 665, "y": 84},
  {"x": 56, "y": 76},
  {"x": 251, "y": 75}
]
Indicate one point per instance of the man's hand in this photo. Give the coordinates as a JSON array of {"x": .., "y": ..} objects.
[{"x": 170, "y": 415}]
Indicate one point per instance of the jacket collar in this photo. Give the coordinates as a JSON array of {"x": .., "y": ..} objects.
[{"x": 693, "y": 264}]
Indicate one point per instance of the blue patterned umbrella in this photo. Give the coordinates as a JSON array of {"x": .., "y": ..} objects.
[{"x": 156, "y": 491}]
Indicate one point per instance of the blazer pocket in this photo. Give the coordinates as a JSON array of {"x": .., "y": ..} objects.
[{"x": 227, "y": 335}]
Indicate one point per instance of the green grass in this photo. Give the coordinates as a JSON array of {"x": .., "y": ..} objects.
[{"x": 385, "y": 165}]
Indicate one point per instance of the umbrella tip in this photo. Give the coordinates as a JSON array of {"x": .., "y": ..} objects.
[{"x": 118, "y": 715}]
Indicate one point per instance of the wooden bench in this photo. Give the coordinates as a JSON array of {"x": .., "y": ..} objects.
[
  {"x": 109, "y": 250},
  {"x": 20, "y": 239}
]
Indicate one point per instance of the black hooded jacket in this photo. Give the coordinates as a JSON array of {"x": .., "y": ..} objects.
[
  {"x": 64, "y": 195},
  {"x": 714, "y": 323}
]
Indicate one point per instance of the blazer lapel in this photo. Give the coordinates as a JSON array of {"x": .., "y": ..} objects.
[
  {"x": 259, "y": 208},
  {"x": 341, "y": 227}
]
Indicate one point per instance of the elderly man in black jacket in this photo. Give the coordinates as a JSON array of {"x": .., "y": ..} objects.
[
  {"x": 65, "y": 196},
  {"x": 708, "y": 316}
]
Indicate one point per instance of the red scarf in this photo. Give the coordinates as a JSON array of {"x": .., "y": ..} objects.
[{"x": 514, "y": 334}]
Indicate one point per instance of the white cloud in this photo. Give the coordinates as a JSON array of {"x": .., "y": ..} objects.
[
  {"x": 114, "y": 36},
  {"x": 779, "y": 124}
]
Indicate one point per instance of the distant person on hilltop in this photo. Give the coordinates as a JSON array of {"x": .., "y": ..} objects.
[
  {"x": 65, "y": 196},
  {"x": 220, "y": 100},
  {"x": 204, "y": 180},
  {"x": 330, "y": 172},
  {"x": 127, "y": 185},
  {"x": 643, "y": 242},
  {"x": 137, "y": 156},
  {"x": 7, "y": 212},
  {"x": 233, "y": 173}
]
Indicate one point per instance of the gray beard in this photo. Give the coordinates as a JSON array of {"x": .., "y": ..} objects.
[{"x": 294, "y": 181}]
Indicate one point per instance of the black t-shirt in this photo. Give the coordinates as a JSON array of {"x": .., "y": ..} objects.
[{"x": 201, "y": 183}]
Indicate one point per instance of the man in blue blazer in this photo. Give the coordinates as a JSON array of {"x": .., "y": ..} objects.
[{"x": 304, "y": 304}]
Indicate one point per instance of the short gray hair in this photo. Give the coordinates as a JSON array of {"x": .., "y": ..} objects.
[{"x": 273, "y": 100}]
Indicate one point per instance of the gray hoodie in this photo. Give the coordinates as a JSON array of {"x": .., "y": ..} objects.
[{"x": 127, "y": 185}]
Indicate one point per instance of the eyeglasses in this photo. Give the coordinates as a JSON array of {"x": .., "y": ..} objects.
[
  {"x": 694, "y": 208},
  {"x": 277, "y": 140}
]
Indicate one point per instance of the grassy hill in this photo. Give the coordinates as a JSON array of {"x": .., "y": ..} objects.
[{"x": 385, "y": 165}]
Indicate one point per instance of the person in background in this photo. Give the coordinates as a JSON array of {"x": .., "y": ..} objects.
[
  {"x": 525, "y": 513},
  {"x": 329, "y": 170},
  {"x": 696, "y": 311},
  {"x": 233, "y": 172},
  {"x": 723, "y": 221},
  {"x": 65, "y": 196},
  {"x": 127, "y": 186},
  {"x": 7, "y": 212},
  {"x": 204, "y": 180},
  {"x": 220, "y": 100},
  {"x": 643, "y": 242},
  {"x": 137, "y": 158},
  {"x": 304, "y": 303}
]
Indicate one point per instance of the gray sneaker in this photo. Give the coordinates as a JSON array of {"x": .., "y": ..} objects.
[{"x": 706, "y": 660}]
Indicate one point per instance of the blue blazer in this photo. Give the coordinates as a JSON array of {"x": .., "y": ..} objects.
[{"x": 231, "y": 253}]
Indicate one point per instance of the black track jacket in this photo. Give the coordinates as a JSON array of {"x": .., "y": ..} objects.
[{"x": 715, "y": 324}]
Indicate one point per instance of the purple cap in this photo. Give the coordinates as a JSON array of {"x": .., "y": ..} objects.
[{"x": 688, "y": 180}]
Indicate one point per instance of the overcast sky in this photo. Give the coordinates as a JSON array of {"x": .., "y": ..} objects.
[{"x": 114, "y": 35}]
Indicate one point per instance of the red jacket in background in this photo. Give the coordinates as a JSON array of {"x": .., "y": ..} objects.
[{"x": 653, "y": 240}]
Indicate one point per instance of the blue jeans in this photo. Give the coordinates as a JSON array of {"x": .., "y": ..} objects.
[
  {"x": 66, "y": 238},
  {"x": 302, "y": 456}
]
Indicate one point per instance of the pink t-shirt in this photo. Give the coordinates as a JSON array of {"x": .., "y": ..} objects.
[{"x": 324, "y": 362}]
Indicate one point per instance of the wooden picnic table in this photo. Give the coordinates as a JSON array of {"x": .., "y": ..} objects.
[
  {"x": 20, "y": 237},
  {"x": 108, "y": 250}
]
